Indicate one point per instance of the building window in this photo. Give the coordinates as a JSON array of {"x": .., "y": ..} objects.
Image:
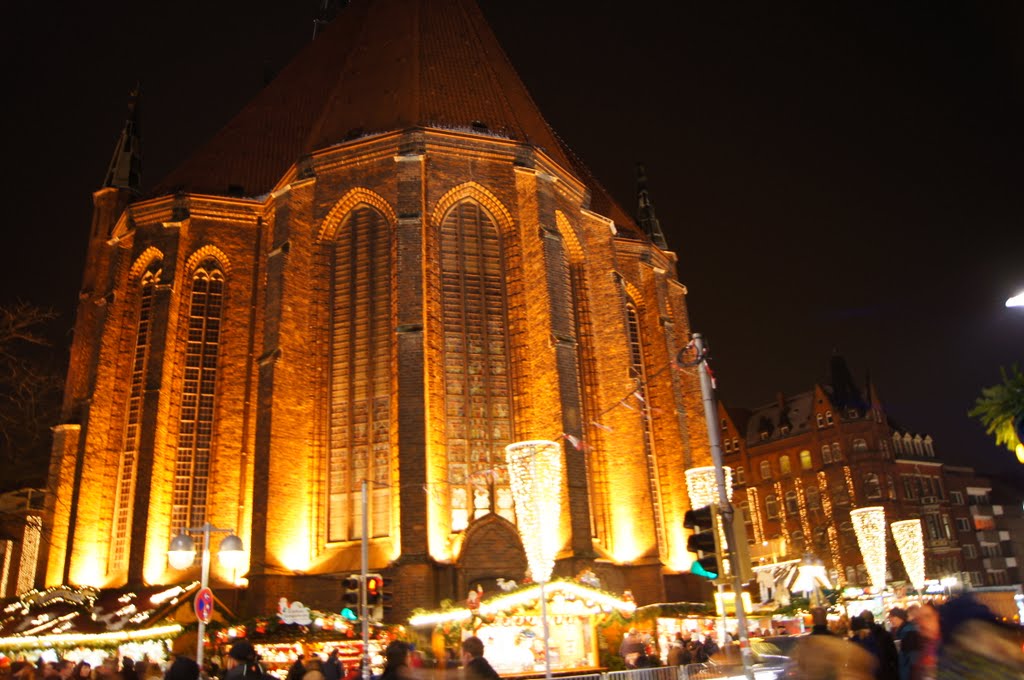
[
  {"x": 195, "y": 432},
  {"x": 125, "y": 489},
  {"x": 928, "y": 447},
  {"x": 826, "y": 454},
  {"x": 897, "y": 445},
  {"x": 813, "y": 497},
  {"x": 784, "y": 429},
  {"x": 860, "y": 445},
  {"x": 990, "y": 550},
  {"x": 852, "y": 413},
  {"x": 784, "y": 465},
  {"x": 956, "y": 497},
  {"x": 885, "y": 449},
  {"x": 872, "y": 489},
  {"x": 766, "y": 470},
  {"x": 792, "y": 505},
  {"x": 735, "y": 444},
  {"x": 891, "y": 485},
  {"x": 725, "y": 424},
  {"x": 771, "y": 506},
  {"x": 821, "y": 421},
  {"x": 360, "y": 375},
  {"x": 727, "y": 446},
  {"x": 933, "y": 528},
  {"x": 962, "y": 524},
  {"x": 741, "y": 475},
  {"x": 970, "y": 552},
  {"x": 828, "y": 417},
  {"x": 805, "y": 460},
  {"x": 837, "y": 453}
]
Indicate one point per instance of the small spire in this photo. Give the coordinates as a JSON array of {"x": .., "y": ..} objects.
[
  {"x": 326, "y": 13},
  {"x": 125, "y": 171},
  {"x": 645, "y": 210}
]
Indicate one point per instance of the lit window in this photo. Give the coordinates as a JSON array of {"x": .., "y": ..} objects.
[
  {"x": 766, "y": 470},
  {"x": 784, "y": 465},
  {"x": 805, "y": 460},
  {"x": 821, "y": 420},
  {"x": 860, "y": 445}
]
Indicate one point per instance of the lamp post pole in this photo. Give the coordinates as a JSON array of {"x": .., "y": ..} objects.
[
  {"x": 182, "y": 555},
  {"x": 364, "y": 567},
  {"x": 725, "y": 507}
]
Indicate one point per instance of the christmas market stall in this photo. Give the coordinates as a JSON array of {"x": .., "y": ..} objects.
[
  {"x": 88, "y": 624},
  {"x": 512, "y": 630},
  {"x": 295, "y": 630}
]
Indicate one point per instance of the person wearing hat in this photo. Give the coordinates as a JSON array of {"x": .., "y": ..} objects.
[
  {"x": 241, "y": 661},
  {"x": 907, "y": 639}
]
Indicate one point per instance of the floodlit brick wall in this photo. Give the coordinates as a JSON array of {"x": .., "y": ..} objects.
[{"x": 570, "y": 374}]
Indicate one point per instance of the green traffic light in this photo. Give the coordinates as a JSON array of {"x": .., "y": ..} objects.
[
  {"x": 349, "y": 615},
  {"x": 698, "y": 569}
]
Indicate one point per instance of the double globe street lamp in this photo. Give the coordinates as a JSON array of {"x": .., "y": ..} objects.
[{"x": 182, "y": 555}]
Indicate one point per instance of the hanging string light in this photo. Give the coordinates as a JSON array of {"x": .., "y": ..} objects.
[
  {"x": 849, "y": 486},
  {"x": 805, "y": 520},
  {"x": 702, "y": 485},
  {"x": 910, "y": 541},
  {"x": 869, "y": 524},
  {"x": 780, "y": 500},
  {"x": 755, "y": 513},
  {"x": 833, "y": 535},
  {"x": 535, "y": 472}
]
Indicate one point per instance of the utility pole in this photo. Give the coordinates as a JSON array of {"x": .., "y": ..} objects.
[{"x": 707, "y": 390}]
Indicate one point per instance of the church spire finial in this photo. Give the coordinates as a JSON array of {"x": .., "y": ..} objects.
[
  {"x": 645, "y": 210},
  {"x": 125, "y": 171}
]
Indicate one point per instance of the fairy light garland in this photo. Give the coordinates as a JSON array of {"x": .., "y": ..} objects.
[
  {"x": 535, "y": 475},
  {"x": 755, "y": 514},
  {"x": 849, "y": 486},
  {"x": 909, "y": 539},
  {"x": 805, "y": 521},
  {"x": 869, "y": 524},
  {"x": 833, "y": 535},
  {"x": 780, "y": 504}
]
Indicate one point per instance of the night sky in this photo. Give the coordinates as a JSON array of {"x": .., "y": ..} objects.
[{"x": 834, "y": 177}]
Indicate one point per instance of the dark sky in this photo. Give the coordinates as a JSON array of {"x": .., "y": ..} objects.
[{"x": 833, "y": 176}]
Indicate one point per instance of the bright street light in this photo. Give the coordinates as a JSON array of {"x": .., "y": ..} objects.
[{"x": 1016, "y": 301}]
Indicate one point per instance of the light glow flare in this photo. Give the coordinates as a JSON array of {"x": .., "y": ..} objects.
[
  {"x": 869, "y": 525},
  {"x": 909, "y": 539},
  {"x": 535, "y": 475}
]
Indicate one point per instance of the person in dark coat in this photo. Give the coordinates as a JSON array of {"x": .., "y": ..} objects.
[
  {"x": 819, "y": 619},
  {"x": 297, "y": 670},
  {"x": 332, "y": 668},
  {"x": 183, "y": 668},
  {"x": 888, "y": 659},
  {"x": 396, "y": 661},
  {"x": 474, "y": 665}
]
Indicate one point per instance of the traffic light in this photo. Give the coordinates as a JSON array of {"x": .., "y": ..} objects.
[
  {"x": 375, "y": 596},
  {"x": 742, "y": 552},
  {"x": 705, "y": 541},
  {"x": 352, "y": 592}
]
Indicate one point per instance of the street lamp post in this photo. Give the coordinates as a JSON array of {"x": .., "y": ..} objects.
[{"x": 182, "y": 554}]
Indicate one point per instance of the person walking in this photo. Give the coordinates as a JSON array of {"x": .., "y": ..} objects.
[{"x": 474, "y": 665}]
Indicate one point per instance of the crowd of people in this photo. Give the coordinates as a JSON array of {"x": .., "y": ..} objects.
[{"x": 66, "y": 669}]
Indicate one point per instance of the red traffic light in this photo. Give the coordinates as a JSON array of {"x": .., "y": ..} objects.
[{"x": 373, "y": 585}]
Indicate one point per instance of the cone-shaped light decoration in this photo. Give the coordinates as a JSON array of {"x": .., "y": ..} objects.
[
  {"x": 535, "y": 475},
  {"x": 869, "y": 524},
  {"x": 703, "y": 487},
  {"x": 910, "y": 541}
]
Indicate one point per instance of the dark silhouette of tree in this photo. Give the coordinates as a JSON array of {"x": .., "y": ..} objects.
[{"x": 30, "y": 391}]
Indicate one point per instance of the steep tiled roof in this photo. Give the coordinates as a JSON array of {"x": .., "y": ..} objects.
[{"x": 381, "y": 65}]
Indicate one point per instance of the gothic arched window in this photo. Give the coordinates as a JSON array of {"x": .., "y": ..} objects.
[
  {"x": 192, "y": 467},
  {"x": 771, "y": 506},
  {"x": 478, "y": 398},
  {"x": 872, "y": 489},
  {"x": 125, "y": 490},
  {"x": 360, "y": 375}
]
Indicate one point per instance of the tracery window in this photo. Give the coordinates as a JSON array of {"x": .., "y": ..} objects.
[
  {"x": 128, "y": 468},
  {"x": 813, "y": 497},
  {"x": 792, "y": 504},
  {"x": 872, "y": 488},
  {"x": 192, "y": 467},
  {"x": 360, "y": 377},
  {"x": 476, "y": 364},
  {"x": 771, "y": 507}
]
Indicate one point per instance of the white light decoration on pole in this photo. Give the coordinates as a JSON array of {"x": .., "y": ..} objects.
[
  {"x": 535, "y": 475},
  {"x": 702, "y": 486},
  {"x": 869, "y": 524},
  {"x": 909, "y": 539}
]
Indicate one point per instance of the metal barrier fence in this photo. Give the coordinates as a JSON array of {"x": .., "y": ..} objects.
[{"x": 656, "y": 673}]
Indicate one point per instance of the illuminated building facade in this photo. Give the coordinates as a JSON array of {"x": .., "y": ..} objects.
[
  {"x": 387, "y": 267},
  {"x": 803, "y": 462}
]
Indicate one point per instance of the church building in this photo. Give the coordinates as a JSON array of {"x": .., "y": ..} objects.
[{"x": 387, "y": 267}]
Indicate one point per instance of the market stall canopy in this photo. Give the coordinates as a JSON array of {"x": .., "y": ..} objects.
[
  {"x": 576, "y": 598},
  {"x": 67, "y": 615}
]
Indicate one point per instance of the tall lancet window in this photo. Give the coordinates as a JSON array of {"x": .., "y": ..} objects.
[
  {"x": 639, "y": 374},
  {"x": 476, "y": 365},
  {"x": 192, "y": 467},
  {"x": 360, "y": 437},
  {"x": 127, "y": 471}
]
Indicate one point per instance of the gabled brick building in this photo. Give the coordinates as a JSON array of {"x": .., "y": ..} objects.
[
  {"x": 803, "y": 462},
  {"x": 386, "y": 267}
]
